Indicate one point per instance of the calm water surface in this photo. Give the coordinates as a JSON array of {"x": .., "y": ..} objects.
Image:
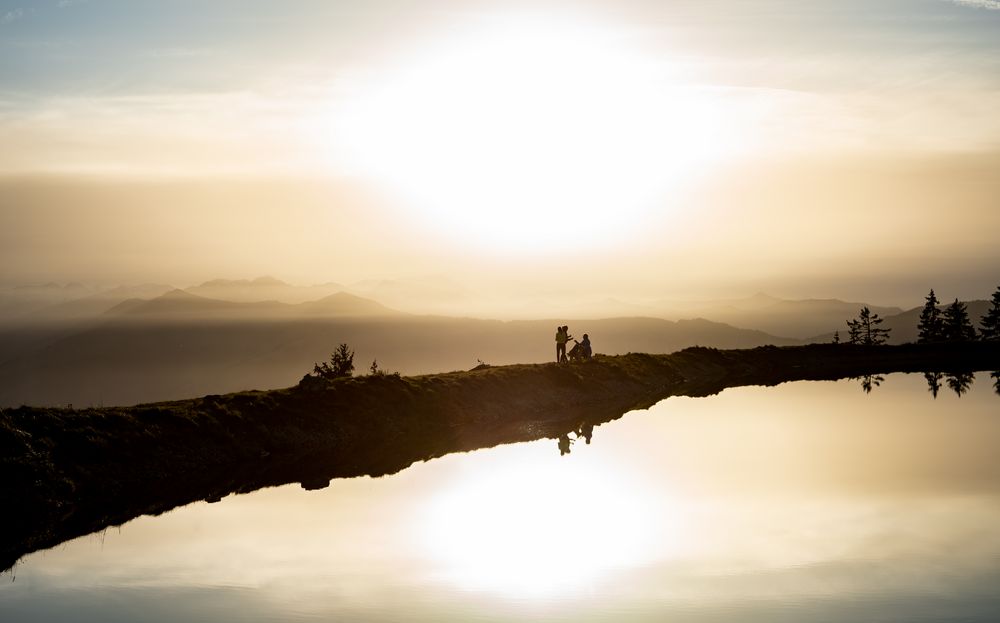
[{"x": 803, "y": 502}]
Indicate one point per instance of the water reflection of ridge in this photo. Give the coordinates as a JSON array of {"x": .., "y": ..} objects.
[{"x": 315, "y": 467}]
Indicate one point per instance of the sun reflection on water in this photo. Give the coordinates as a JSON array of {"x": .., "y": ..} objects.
[{"x": 532, "y": 523}]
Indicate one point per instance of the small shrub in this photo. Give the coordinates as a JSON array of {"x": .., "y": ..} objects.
[{"x": 341, "y": 364}]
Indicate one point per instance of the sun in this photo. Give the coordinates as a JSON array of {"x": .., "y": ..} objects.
[{"x": 528, "y": 133}]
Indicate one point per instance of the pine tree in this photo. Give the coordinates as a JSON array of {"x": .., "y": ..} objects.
[
  {"x": 957, "y": 327},
  {"x": 990, "y": 323},
  {"x": 930, "y": 326},
  {"x": 865, "y": 329},
  {"x": 853, "y": 331},
  {"x": 836, "y": 337}
]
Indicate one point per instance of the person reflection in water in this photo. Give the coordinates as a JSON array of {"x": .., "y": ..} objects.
[{"x": 564, "y": 444}]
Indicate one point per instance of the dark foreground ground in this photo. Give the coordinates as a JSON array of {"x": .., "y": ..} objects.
[{"x": 66, "y": 473}]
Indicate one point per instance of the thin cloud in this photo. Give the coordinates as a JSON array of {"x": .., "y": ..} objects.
[
  {"x": 979, "y": 4},
  {"x": 178, "y": 52},
  {"x": 11, "y": 16},
  {"x": 68, "y": 3}
]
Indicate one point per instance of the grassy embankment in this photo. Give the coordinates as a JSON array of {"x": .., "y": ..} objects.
[{"x": 65, "y": 473}]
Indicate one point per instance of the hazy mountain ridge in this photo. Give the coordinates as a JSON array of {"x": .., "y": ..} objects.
[
  {"x": 800, "y": 318},
  {"x": 263, "y": 289},
  {"x": 181, "y": 305},
  {"x": 903, "y": 325},
  {"x": 71, "y": 303},
  {"x": 134, "y": 358},
  {"x": 180, "y": 343}
]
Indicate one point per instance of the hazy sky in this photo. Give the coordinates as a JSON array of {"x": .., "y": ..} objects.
[{"x": 632, "y": 149}]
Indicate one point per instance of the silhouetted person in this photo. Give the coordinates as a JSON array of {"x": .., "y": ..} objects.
[
  {"x": 564, "y": 445},
  {"x": 562, "y": 337},
  {"x": 560, "y": 344},
  {"x": 585, "y": 344},
  {"x": 587, "y": 432}
]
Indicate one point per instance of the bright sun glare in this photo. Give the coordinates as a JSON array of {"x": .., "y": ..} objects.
[
  {"x": 531, "y": 134},
  {"x": 532, "y": 523}
]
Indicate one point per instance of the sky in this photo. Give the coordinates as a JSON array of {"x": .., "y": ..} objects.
[{"x": 593, "y": 149}]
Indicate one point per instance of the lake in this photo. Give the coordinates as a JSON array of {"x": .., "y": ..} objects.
[{"x": 808, "y": 501}]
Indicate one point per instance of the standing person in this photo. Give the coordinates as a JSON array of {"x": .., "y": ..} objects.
[
  {"x": 560, "y": 344},
  {"x": 562, "y": 337}
]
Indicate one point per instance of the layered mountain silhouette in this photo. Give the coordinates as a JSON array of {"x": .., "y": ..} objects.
[
  {"x": 180, "y": 305},
  {"x": 904, "y": 324},
  {"x": 154, "y": 342},
  {"x": 263, "y": 289},
  {"x": 801, "y": 318}
]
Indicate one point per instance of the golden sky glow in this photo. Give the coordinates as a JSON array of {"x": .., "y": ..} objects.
[{"x": 635, "y": 148}]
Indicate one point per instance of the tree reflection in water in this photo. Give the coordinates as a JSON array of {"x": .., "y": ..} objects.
[
  {"x": 996, "y": 381},
  {"x": 933, "y": 382},
  {"x": 959, "y": 382},
  {"x": 869, "y": 381}
]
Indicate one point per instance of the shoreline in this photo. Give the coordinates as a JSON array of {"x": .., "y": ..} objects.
[{"x": 66, "y": 473}]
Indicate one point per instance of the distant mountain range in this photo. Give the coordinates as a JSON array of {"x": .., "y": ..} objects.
[
  {"x": 793, "y": 318},
  {"x": 263, "y": 289},
  {"x": 155, "y": 342},
  {"x": 180, "y": 305},
  {"x": 158, "y": 351},
  {"x": 904, "y": 324}
]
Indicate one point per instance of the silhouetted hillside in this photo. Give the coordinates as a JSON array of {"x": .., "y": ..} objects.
[
  {"x": 94, "y": 305},
  {"x": 178, "y": 303},
  {"x": 342, "y": 304},
  {"x": 138, "y": 357}
]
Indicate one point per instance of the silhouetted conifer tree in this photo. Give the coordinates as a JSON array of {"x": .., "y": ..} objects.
[
  {"x": 990, "y": 323},
  {"x": 930, "y": 326},
  {"x": 865, "y": 330},
  {"x": 957, "y": 327},
  {"x": 836, "y": 337}
]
